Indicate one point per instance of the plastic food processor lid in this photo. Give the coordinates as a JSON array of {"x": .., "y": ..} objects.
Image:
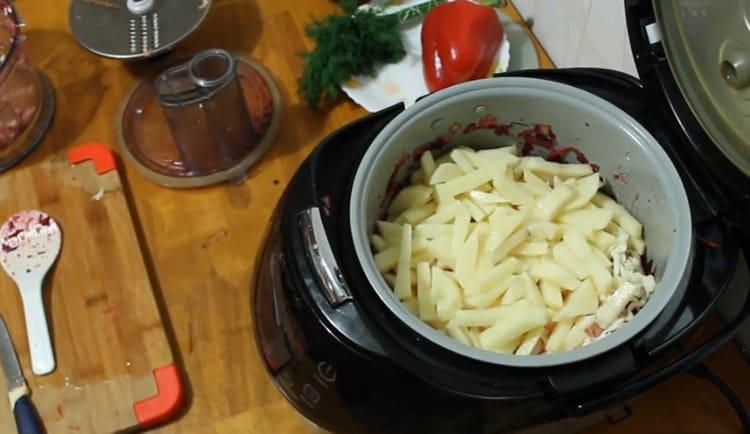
[{"x": 707, "y": 44}]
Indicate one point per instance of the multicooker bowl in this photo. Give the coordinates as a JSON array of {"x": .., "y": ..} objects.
[{"x": 640, "y": 173}]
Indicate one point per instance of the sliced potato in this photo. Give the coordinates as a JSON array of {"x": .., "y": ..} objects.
[
  {"x": 552, "y": 294},
  {"x": 509, "y": 244},
  {"x": 531, "y": 248},
  {"x": 556, "y": 339},
  {"x": 479, "y": 317},
  {"x": 485, "y": 280},
  {"x": 445, "y": 213},
  {"x": 402, "y": 289},
  {"x": 391, "y": 232},
  {"x": 588, "y": 220},
  {"x": 577, "y": 333},
  {"x": 516, "y": 291},
  {"x": 563, "y": 256},
  {"x": 552, "y": 202},
  {"x": 417, "y": 214},
  {"x": 458, "y": 333},
  {"x": 501, "y": 228},
  {"x": 446, "y": 294},
  {"x": 582, "y": 301},
  {"x": 427, "y": 163},
  {"x": 476, "y": 212},
  {"x": 427, "y": 310},
  {"x": 534, "y": 184},
  {"x": 410, "y": 197},
  {"x": 460, "y": 231},
  {"x": 444, "y": 173},
  {"x": 378, "y": 243},
  {"x": 519, "y": 319},
  {"x": 532, "y": 342},
  {"x": 531, "y": 290},
  {"x": 431, "y": 231},
  {"x": 548, "y": 231},
  {"x": 603, "y": 240},
  {"x": 450, "y": 189},
  {"x": 585, "y": 189},
  {"x": 484, "y": 299},
  {"x": 466, "y": 260},
  {"x": 387, "y": 259},
  {"x": 506, "y": 187},
  {"x": 551, "y": 271},
  {"x": 541, "y": 166},
  {"x": 460, "y": 158}
]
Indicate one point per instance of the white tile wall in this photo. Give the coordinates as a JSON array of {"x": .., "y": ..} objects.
[{"x": 581, "y": 32}]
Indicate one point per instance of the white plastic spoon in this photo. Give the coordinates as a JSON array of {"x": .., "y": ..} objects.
[{"x": 29, "y": 244}]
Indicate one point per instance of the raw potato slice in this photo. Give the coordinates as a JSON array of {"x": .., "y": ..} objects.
[
  {"x": 446, "y": 213},
  {"x": 552, "y": 294},
  {"x": 378, "y": 243},
  {"x": 479, "y": 317},
  {"x": 563, "y": 256},
  {"x": 390, "y": 231},
  {"x": 509, "y": 244},
  {"x": 511, "y": 190},
  {"x": 531, "y": 291},
  {"x": 416, "y": 215},
  {"x": 547, "y": 206},
  {"x": 444, "y": 173},
  {"x": 460, "y": 231},
  {"x": 484, "y": 198},
  {"x": 532, "y": 248},
  {"x": 476, "y": 212},
  {"x": 541, "y": 166},
  {"x": 446, "y": 293},
  {"x": 499, "y": 152},
  {"x": 519, "y": 319},
  {"x": 532, "y": 342},
  {"x": 585, "y": 189},
  {"x": 486, "y": 279},
  {"x": 577, "y": 243},
  {"x": 603, "y": 240},
  {"x": 410, "y": 197},
  {"x": 474, "y": 338},
  {"x": 582, "y": 301},
  {"x": 577, "y": 333},
  {"x": 493, "y": 158},
  {"x": 546, "y": 231},
  {"x": 411, "y": 304},
  {"x": 427, "y": 310},
  {"x": 466, "y": 260},
  {"x": 501, "y": 228},
  {"x": 601, "y": 258},
  {"x": 534, "y": 184},
  {"x": 509, "y": 347},
  {"x": 621, "y": 216},
  {"x": 387, "y": 259},
  {"x": 588, "y": 219},
  {"x": 614, "y": 305},
  {"x": 487, "y": 298},
  {"x": 458, "y": 334},
  {"x": 449, "y": 190},
  {"x": 428, "y": 165},
  {"x": 555, "y": 273},
  {"x": 557, "y": 337},
  {"x": 459, "y": 157},
  {"x": 431, "y": 231},
  {"x": 516, "y": 291},
  {"x": 402, "y": 289}
]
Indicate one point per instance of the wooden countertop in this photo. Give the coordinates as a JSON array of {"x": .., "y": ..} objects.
[{"x": 202, "y": 244}]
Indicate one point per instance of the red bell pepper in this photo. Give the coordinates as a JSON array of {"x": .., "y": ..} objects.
[{"x": 460, "y": 40}]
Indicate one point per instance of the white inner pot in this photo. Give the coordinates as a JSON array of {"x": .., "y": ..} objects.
[{"x": 647, "y": 184}]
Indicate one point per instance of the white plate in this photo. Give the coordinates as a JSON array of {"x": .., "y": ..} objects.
[{"x": 404, "y": 81}]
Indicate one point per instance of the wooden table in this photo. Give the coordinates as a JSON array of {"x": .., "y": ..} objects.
[{"x": 202, "y": 244}]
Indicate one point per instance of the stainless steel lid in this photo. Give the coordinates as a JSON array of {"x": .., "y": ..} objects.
[
  {"x": 707, "y": 43},
  {"x": 134, "y": 29}
]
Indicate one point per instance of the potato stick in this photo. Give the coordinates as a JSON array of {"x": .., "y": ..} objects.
[
  {"x": 444, "y": 173},
  {"x": 428, "y": 164},
  {"x": 402, "y": 289}
]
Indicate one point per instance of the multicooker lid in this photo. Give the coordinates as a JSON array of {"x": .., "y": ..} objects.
[{"x": 706, "y": 44}]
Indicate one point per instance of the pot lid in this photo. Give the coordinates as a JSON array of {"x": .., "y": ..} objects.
[{"x": 707, "y": 45}]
